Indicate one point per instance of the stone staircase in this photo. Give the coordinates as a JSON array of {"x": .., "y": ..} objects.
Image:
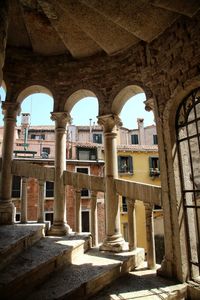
[
  {"x": 38, "y": 267},
  {"x": 34, "y": 266}
]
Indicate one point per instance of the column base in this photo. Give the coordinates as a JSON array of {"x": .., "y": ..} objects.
[
  {"x": 59, "y": 229},
  {"x": 115, "y": 243},
  {"x": 7, "y": 212},
  {"x": 166, "y": 269}
]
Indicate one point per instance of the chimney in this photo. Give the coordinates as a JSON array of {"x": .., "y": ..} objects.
[
  {"x": 25, "y": 123},
  {"x": 141, "y": 131}
]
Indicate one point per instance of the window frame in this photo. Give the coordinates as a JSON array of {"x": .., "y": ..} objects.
[
  {"x": 90, "y": 150},
  {"x": 130, "y": 169},
  {"x": 83, "y": 190},
  {"x": 155, "y": 139},
  {"x": 133, "y": 136},
  {"x": 100, "y": 138},
  {"x": 20, "y": 188},
  {"x": 45, "y": 190},
  {"x": 124, "y": 205},
  {"x": 154, "y": 172}
]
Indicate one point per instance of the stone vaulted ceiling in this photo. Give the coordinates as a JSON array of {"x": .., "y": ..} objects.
[{"x": 82, "y": 28}]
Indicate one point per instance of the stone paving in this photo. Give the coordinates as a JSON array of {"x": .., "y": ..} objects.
[{"x": 142, "y": 284}]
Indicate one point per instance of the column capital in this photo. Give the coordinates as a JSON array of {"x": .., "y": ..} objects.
[
  {"x": 61, "y": 118},
  {"x": 109, "y": 122},
  {"x": 149, "y": 104},
  {"x": 10, "y": 109}
]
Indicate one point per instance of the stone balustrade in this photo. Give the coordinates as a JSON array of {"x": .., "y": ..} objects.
[{"x": 149, "y": 194}]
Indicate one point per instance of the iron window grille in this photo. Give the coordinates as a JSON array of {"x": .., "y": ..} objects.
[{"x": 188, "y": 148}]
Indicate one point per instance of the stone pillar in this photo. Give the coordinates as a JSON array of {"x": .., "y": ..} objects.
[
  {"x": 113, "y": 241},
  {"x": 78, "y": 225},
  {"x": 93, "y": 219},
  {"x": 60, "y": 226},
  {"x": 151, "y": 256},
  {"x": 132, "y": 235},
  {"x": 3, "y": 33},
  {"x": 24, "y": 200},
  {"x": 40, "y": 214},
  {"x": 7, "y": 210}
]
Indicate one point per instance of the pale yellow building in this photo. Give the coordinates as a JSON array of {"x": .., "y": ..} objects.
[{"x": 139, "y": 160}]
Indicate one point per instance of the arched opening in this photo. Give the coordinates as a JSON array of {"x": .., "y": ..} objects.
[
  {"x": 2, "y": 98},
  {"x": 84, "y": 144},
  {"x": 35, "y": 129},
  {"x": 188, "y": 146},
  {"x": 138, "y": 160}
]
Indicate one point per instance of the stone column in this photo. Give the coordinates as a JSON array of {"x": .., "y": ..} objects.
[
  {"x": 78, "y": 225},
  {"x": 151, "y": 256},
  {"x": 24, "y": 200},
  {"x": 132, "y": 236},
  {"x": 60, "y": 226},
  {"x": 40, "y": 216},
  {"x": 93, "y": 219},
  {"x": 113, "y": 241},
  {"x": 4, "y": 5},
  {"x": 7, "y": 210}
]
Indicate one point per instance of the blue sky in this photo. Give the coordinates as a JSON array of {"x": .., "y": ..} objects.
[{"x": 41, "y": 105}]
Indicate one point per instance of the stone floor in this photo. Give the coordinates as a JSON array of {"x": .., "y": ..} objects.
[{"x": 142, "y": 284}]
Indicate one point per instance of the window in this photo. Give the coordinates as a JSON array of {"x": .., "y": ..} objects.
[
  {"x": 84, "y": 192},
  {"x": 97, "y": 138},
  {"x": 134, "y": 139},
  {"x": 17, "y": 217},
  {"x": 87, "y": 153},
  {"x": 45, "y": 152},
  {"x": 188, "y": 149},
  {"x": 125, "y": 164},
  {"x": 49, "y": 191},
  {"x": 46, "y": 149},
  {"x": 85, "y": 221},
  {"x": 16, "y": 187},
  {"x": 49, "y": 217},
  {"x": 124, "y": 204},
  {"x": 154, "y": 166},
  {"x": 37, "y": 136},
  {"x": 155, "y": 139}
]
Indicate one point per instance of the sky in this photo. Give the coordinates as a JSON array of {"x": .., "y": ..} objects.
[{"x": 41, "y": 105}]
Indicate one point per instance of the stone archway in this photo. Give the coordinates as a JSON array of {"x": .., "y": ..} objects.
[
  {"x": 125, "y": 94},
  {"x": 75, "y": 97}
]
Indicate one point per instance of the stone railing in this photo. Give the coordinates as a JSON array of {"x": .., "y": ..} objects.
[
  {"x": 93, "y": 183},
  {"x": 149, "y": 194},
  {"x": 42, "y": 174}
]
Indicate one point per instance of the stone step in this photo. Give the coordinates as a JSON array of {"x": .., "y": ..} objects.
[
  {"x": 87, "y": 275},
  {"x": 17, "y": 238},
  {"x": 35, "y": 264}
]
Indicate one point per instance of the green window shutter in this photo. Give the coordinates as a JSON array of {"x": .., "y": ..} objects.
[
  {"x": 130, "y": 161},
  {"x": 119, "y": 163},
  {"x": 150, "y": 162}
]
